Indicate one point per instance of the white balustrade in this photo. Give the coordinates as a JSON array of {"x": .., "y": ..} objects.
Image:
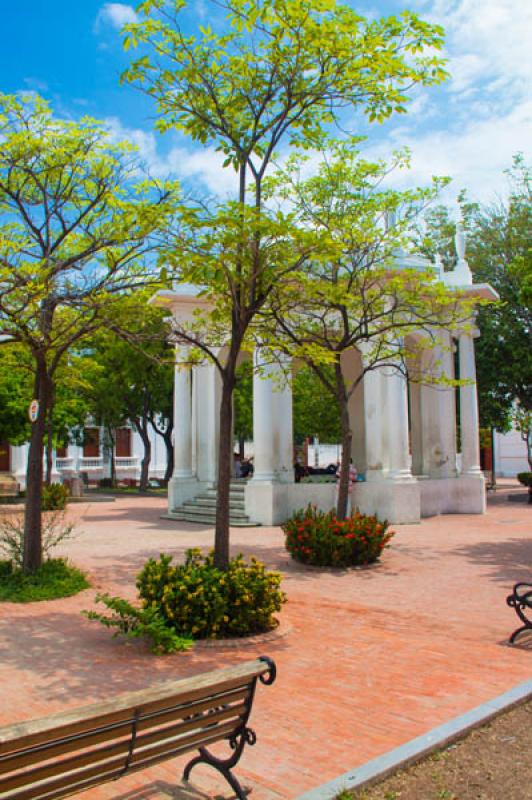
[
  {"x": 126, "y": 462},
  {"x": 64, "y": 464},
  {"x": 91, "y": 464}
]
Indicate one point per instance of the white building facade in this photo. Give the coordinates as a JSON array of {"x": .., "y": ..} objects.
[{"x": 92, "y": 460}]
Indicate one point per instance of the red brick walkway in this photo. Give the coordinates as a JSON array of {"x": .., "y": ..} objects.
[{"x": 374, "y": 657}]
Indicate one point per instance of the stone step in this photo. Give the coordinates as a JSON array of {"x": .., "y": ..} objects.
[
  {"x": 209, "y": 515},
  {"x": 232, "y": 495},
  {"x": 202, "y": 509},
  {"x": 206, "y": 511},
  {"x": 211, "y": 502},
  {"x": 234, "y": 523}
]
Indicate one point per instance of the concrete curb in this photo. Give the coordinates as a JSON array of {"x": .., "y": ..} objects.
[{"x": 378, "y": 768}]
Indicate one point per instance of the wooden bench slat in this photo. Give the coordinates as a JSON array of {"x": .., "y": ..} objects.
[
  {"x": 83, "y": 719},
  {"x": 75, "y": 780},
  {"x": 170, "y": 735},
  {"x": 58, "y": 747},
  {"x": 60, "y": 755},
  {"x": 181, "y": 712},
  {"x": 162, "y": 752},
  {"x": 69, "y": 765},
  {"x": 69, "y": 784}
]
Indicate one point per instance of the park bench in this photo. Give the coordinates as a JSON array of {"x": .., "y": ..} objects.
[
  {"x": 133, "y": 731},
  {"x": 521, "y": 600}
]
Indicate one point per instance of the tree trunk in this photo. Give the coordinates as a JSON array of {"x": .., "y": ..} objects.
[
  {"x": 347, "y": 437},
  {"x": 49, "y": 442},
  {"x": 32, "y": 558},
  {"x": 142, "y": 427},
  {"x": 167, "y": 436},
  {"x": 111, "y": 450},
  {"x": 241, "y": 444},
  {"x": 225, "y": 458}
]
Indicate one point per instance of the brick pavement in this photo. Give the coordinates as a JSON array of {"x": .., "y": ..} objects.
[{"x": 375, "y": 657}]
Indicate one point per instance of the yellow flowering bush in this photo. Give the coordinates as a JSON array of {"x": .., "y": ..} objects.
[{"x": 198, "y": 600}]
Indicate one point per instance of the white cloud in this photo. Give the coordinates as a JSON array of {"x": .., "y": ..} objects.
[
  {"x": 115, "y": 14},
  {"x": 202, "y": 166},
  {"x": 475, "y": 154},
  {"x": 486, "y": 41},
  {"x": 36, "y": 84}
]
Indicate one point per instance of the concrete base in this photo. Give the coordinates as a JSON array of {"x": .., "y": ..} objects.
[
  {"x": 182, "y": 489},
  {"x": 465, "y": 494},
  {"x": 271, "y": 502},
  {"x": 396, "y": 501}
]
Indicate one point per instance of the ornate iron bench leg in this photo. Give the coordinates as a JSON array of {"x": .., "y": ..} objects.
[
  {"x": 224, "y": 766},
  {"x": 521, "y": 601},
  {"x": 516, "y": 633}
]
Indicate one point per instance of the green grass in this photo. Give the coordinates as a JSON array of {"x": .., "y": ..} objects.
[{"x": 56, "y": 578}]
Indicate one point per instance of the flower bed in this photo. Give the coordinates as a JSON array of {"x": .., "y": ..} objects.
[
  {"x": 195, "y": 600},
  {"x": 320, "y": 539}
]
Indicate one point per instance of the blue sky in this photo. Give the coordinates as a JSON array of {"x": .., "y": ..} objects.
[{"x": 71, "y": 53}]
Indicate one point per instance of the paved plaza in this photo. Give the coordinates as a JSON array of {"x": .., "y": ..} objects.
[{"x": 371, "y": 658}]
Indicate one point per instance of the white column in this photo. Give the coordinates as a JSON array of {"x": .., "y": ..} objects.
[
  {"x": 182, "y": 420},
  {"x": 263, "y": 417},
  {"x": 208, "y": 396},
  {"x": 283, "y": 435},
  {"x": 469, "y": 407},
  {"x": 373, "y": 419},
  {"x": 397, "y": 423},
  {"x": 351, "y": 369},
  {"x": 438, "y": 413}
]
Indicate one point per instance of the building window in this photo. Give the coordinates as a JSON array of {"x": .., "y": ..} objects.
[
  {"x": 123, "y": 443},
  {"x": 91, "y": 443}
]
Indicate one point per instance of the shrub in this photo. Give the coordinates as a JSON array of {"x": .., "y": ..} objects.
[
  {"x": 319, "y": 538},
  {"x": 54, "y": 497},
  {"x": 195, "y": 600},
  {"x": 201, "y": 601},
  {"x": 525, "y": 478},
  {"x": 55, "y": 578},
  {"x": 54, "y": 531},
  {"x": 136, "y": 623}
]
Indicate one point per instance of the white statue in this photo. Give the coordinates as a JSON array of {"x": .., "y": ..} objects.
[{"x": 460, "y": 240}]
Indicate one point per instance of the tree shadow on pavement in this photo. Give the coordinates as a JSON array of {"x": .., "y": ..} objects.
[
  {"x": 63, "y": 657},
  {"x": 509, "y": 561}
]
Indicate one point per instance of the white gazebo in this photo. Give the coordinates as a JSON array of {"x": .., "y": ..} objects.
[{"x": 404, "y": 435}]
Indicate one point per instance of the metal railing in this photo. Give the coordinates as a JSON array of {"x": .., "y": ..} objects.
[
  {"x": 90, "y": 463},
  {"x": 126, "y": 462},
  {"x": 64, "y": 463}
]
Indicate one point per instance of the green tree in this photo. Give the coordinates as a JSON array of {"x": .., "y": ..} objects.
[
  {"x": 276, "y": 73},
  {"x": 136, "y": 371},
  {"x": 15, "y": 394},
  {"x": 243, "y": 404},
  {"x": 316, "y": 413},
  {"x": 77, "y": 227},
  {"x": 361, "y": 294}
]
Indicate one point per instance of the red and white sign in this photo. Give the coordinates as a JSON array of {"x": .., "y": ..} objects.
[{"x": 33, "y": 410}]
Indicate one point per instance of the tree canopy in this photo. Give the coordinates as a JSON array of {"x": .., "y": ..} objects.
[
  {"x": 272, "y": 74},
  {"x": 78, "y": 228},
  {"x": 366, "y": 291}
]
